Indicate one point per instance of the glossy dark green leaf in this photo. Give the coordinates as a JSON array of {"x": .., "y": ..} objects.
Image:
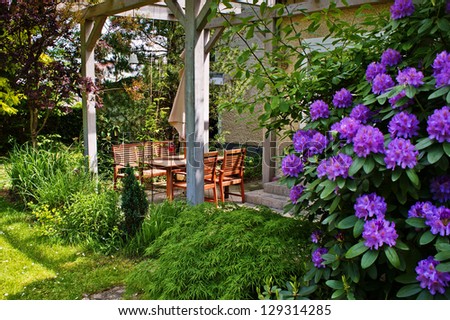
[
  {"x": 356, "y": 165},
  {"x": 409, "y": 290},
  {"x": 426, "y": 238},
  {"x": 416, "y": 222},
  {"x": 306, "y": 291},
  {"x": 441, "y": 256},
  {"x": 443, "y": 267},
  {"x": 407, "y": 278},
  {"x": 442, "y": 247},
  {"x": 392, "y": 257},
  {"x": 424, "y": 143},
  {"x": 335, "y": 284},
  {"x": 396, "y": 174},
  {"x": 435, "y": 154},
  {"x": 337, "y": 294},
  {"x": 358, "y": 228},
  {"x": 446, "y": 147},
  {"x": 413, "y": 177},
  {"x": 347, "y": 222},
  {"x": 368, "y": 166},
  {"x": 356, "y": 250},
  {"x": 369, "y": 258}
]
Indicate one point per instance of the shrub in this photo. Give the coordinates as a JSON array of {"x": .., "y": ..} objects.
[
  {"x": 134, "y": 203},
  {"x": 374, "y": 168},
  {"x": 160, "y": 217},
  {"x": 216, "y": 254}
]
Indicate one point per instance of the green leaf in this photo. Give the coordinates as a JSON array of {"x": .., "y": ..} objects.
[
  {"x": 368, "y": 166},
  {"x": 392, "y": 256},
  {"x": 358, "y": 229},
  {"x": 413, "y": 177},
  {"x": 416, "y": 222},
  {"x": 347, "y": 222},
  {"x": 396, "y": 174},
  {"x": 435, "y": 154},
  {"x": 409, "y": 290},
  {"x": 438, "y": 93},
  {"x": 441, "y": 256},
  {"x": 406, "y": 278},
  {"x": 356, "y": 165},
  {"x": 443, "y": 267},
  {"x": 401, "y": 245},
  {"x": 334, "y": 204},
  {"x": 306, "y": 291},
  {"x": 446, "y": 147},
  {"x": 369, "y": 258},
  {"x": 442, "y": 247},
  {"x": 426, "y": 238},
  {"x": 351, "y": 185},
  {"x": 334, "y": 284},
  {"x": 329, "y": 189},
  {"x": 425, "y": 295},
  {"x": 423, "y": 143},
  {"x": 443, "y": 24},
  {"x": 410, "y": 91},
  {"x": 356, "y": 250},
  {"x": 337, "y": 294}
]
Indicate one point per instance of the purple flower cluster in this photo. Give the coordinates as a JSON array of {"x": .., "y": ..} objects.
[
  {"x": 342, "y": 98},
  {"x": 373, "y": 70},
  {"x": 319, "y": 109},
  {"x": 391, "y": 58},
  {"x": 439, "y": 125},
  {"x": 347, "y": 128},
  {"x": 440, "y": 188},
  {"x": 393, "y": 101},
  {"x": 370, "y": 205},
  {"x": 404, "y": 125},
  {"x": 421, "y": 210},
  {"x": 378, "y": 232},
  {"x": 316, "y": 235},
  {"x": 336, "y": 166},
  {"x": 401, "y": 9},
  {"x": 361, "y": 113},
  {"x": 410, "y": 76},
  {"x": 291, "y": 165},
  {"x": 295, "y": 193},
  {"x": 401, "y": 152},
  {"x": 439, "y": 221},
  {"x": 309, "y": 142},
  {"x": 382, "y": 83},
  {"x": 368, "y": 139},
  {"x": 441, "y": 68},
  {"x": 317, "y": 257},
  {"x": 431, "y": 279}
]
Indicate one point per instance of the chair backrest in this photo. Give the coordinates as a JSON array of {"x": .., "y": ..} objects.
[
  {"x": 233, "y": 162},
  {"x": 126, "y": 154},
  {"x": 210, "y": 162}
]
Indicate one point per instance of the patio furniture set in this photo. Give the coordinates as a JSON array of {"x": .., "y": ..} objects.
[{"x": 158, "y": 158}]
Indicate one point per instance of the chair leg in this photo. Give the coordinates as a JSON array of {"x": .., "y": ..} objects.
[
  {"x": 222, "y": 193},
  {"x": 242, "y": 192},
  {"x": 215, "y": 196}
]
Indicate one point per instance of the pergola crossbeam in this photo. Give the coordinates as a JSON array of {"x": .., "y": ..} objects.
[
  {"x": 177, "y": 10},
  {"x": 112, "y": 7},
  {"x": 95, "y": 33}
]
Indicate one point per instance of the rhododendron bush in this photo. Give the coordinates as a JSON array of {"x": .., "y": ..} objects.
[{"x": 371, "y": 165}]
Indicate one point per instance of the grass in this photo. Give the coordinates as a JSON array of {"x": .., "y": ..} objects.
[{"x": 35, "y": 267}]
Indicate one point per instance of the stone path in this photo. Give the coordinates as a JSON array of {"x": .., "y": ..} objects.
[{"x": 115, "y": 293}]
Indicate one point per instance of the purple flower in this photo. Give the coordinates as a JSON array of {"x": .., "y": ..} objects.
[
  {"x": 441, "y": 69},
  {"x": 404, "y": 125},
  {"x": 439, "y": 125},
  {"x": 447, "y": 7},
  {"x": 319, "y": 109},
  {"x": 342, "y": 98},
  {"x": 401, "y": 152},
  {"x": 334, "y": 167},
  {"x": 440, "y": 188},
  {"x": 410, "y": 76},
  {"x": 391, "y": 57},
  {"x": 310, "y": 142},
  {"x": 393, "y": 101},
  {"x": 421, "y": 210},
  {"x": 430, "y": 278},
  {"x": 439, "y": 221},
  {"x": 315, "y": 236},
  {"x": 317, "y": 257},
  {"x": 368, "y": 139},
  {"x": 360, "y": 113},
  {"x": 378, "y": 232},
  {"x": 370, "y": 205},
  {"x": 373, "y": 70},
  {"x": 296, "y": 193},
  {"x": 301, "y": 139},
  {"x": 347, "y": 128},
  {"x": 401, "y": 9},
  {"x": 292, "y": 165},
  {"x": 382, "y": 83},
  {"x": 317, "y": 144}
]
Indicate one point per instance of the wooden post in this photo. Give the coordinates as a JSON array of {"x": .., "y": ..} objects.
[
  {"x": 88, "y": 102},
  {"x": 195, "y": 103}
]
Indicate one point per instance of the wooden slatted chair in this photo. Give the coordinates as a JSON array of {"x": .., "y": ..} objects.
[
  {"x": 124, "y": 155},
  {"x": 145, "y": 153},
  {"x": 210, "y": 162},
  {"x": 231, "y": 173}
]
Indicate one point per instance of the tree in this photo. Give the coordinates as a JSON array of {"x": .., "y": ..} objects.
[{"x": 37, "y": 50}]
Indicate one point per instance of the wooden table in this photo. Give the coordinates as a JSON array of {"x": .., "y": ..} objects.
[{"x": 169, "y": 164}]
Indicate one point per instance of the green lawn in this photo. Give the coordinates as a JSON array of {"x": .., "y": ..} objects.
[{"x": 34, "y": 267}]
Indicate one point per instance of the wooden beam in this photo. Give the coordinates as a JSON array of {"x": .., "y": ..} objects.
[
  {"x": 150, "y": 12},
  {"x": 292, "y": 9},
  {"x": 202, "y": 17},
  {"x": 176, "y": 9},
  {"x": 213, "y": 40},
  {"x": 95, "y": 33},
  {"x": 112, "y": 7}
]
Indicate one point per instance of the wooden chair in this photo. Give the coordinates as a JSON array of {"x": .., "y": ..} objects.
[
  {"x": 232, "y": 172},
  {"x": 148, "y": 151},
  {"x": 124, "y": 155},
  {"x": 210, "y": 162}
]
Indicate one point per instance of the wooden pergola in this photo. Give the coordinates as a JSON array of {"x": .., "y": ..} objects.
[{"x": 193, "y": 15}]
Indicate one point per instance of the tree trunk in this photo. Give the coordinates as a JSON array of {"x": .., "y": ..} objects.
[{"x": 33, "y": 126}]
